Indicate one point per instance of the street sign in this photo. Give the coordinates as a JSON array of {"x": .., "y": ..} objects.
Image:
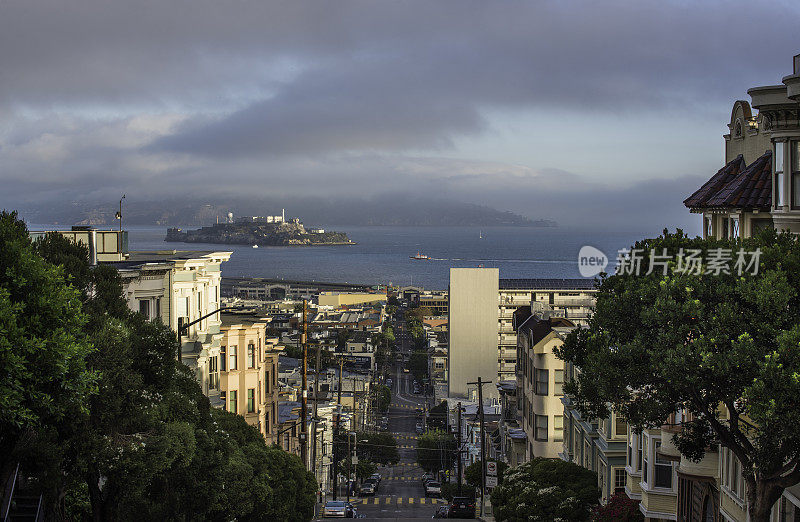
[
  {"x": 491, "y": 469},
  {"x": 491, "y": 482}
]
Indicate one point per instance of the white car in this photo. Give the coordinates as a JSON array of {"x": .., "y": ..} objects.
[
  {"x": 335, "y": 508},
  {"x": 433, "y": 489}
]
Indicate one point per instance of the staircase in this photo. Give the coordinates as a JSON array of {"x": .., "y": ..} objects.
[{"x": 20, "y": 503}]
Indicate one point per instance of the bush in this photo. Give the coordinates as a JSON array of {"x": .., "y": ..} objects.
[{"x": 619, "y": 508}]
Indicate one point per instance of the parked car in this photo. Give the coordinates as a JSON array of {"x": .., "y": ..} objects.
[
  {"x": 377, "y": 477},
  {"x": 433, "y": 489},
  {"x": 420, "y": 429},
  {"x": 336, "y": 508},
  {"x": 462, "y": 507},
  {"x": 426, "y": 477},
  {"x": 442, "y": 512}
]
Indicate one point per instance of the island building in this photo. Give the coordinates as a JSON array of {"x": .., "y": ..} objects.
[{"x": 481, "y": 307}]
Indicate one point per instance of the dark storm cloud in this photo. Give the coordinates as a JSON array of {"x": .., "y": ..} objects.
[{"x": 329, "y": 98}]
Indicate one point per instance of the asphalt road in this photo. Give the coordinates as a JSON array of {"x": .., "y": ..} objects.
[{"x": 401, "y": 494}]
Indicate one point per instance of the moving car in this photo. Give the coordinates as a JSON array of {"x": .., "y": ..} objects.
[
  {"x": 426, "y": 477},
  {"x": 433, "y": 489},
  {"x": 462, "y": 507},
  {"x": 368, "y": 487},
  {"x": 336, "y": 508},
  {"x": 420, "y": 429},
  {"x": 376, "y": 476}
]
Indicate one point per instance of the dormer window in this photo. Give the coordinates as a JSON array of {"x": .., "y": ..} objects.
[{"x": 778, "y": 169}]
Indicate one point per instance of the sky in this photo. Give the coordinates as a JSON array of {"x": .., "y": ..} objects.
[{"x": 603, "y": 113}]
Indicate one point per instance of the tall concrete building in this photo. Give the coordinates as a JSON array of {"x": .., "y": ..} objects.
[{"x": 473, "y": 329}]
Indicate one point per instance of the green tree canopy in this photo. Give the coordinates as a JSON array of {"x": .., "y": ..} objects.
[
  {"x": 436, "y": 450},
  {"x": 437, "y": 416},
  {"x": 418, "y": 364},
  {"x": 545, "y": 490},
  {"x": 378, "y": 447},
  {"x": 659, "y": 343},
  {"x": 45, "y": 381}
]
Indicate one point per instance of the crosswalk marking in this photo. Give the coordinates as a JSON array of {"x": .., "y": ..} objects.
[
  {"x": 399, "y": 501},
  {"x": 411, "y": 501}
]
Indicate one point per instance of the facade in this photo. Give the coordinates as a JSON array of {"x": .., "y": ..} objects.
[
  {"x": 337, "y": 299},
  {"x": 473, "y": 329},
  {"x": 572, "y": 299},
  {"x": 540, "y": 383},
  {"x": 438, "y": 303},
  {"x": 247, "y": 374},
  {"x": 179, "y": 288},
  {"x": 759, "y": 186}
]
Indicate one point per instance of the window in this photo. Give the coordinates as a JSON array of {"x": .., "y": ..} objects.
[
  {"x": 708, "y": 228},
  {"x": 558, "y": 382},
  {"x": 643, "y": 457},
  {"x": 232, "y": 402},
  {"x": 231, "y": 358},
  {"x": 144, "y": 307},
  {"x": 587, "y": 455},
  {"x": 540, "y": 433},
  {"x": 251, "y": 356},
  {"x": 266, "y": 384},
  {"x": 213, "y": 373},
  {"x": 777, "y": 160},
  {"x": 251, "y": 400},
  {"x": 222, "y": 358},
  {"x": 620, "y": 426},
  {"x": 732, "y": 474},
  {"x": 662, "y": 469},
  {"x": 795, "y": 169},
  {"x": 542, "y": 378},
  {"x": 558, "y": 428},
  {"x": 734, "y": 228},
  {"x": 620, "y": 477}
]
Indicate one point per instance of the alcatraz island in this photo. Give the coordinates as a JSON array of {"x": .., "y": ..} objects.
[{"x": 259, "y": 231}]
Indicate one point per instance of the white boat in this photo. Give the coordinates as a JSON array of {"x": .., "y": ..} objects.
[
  {"x": 420, "y": 257},
  {"x": 255, "y": 246},
  {"x": 480, "y": 234}
]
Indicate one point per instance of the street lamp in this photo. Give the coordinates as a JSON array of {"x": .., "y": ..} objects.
[{"x": 119, "y": 214}]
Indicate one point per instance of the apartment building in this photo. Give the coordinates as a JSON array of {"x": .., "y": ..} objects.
[
  {"x": 540, "y": 383},
  {"x": 437, "y": 302},
  {"x": 572, "y": 299},
  {"x": 246, "y": 372}
]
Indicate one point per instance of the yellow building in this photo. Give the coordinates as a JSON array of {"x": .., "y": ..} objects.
[
  {"x": 247, "y": 372},
  {"x": 337, "y": 299}
]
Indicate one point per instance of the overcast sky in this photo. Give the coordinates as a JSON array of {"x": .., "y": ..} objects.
[{"x": 582, "y": 111}]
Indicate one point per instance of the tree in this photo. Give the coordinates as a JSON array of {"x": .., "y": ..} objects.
[
  {"x": 418, "y": 364},
  {"x": 472, "y": 474},
  {"x": 384, "y": 394},
  {"x": 43, "y": 348},
  {"x": 378, "y": 447},
  {"x": 436, "y": 450},
  {"x": 437, "y": 416},
  {"x": 544, "y": 490},
  {"x": 619, "y": 508},
  {"x": 658, "y": 344}
]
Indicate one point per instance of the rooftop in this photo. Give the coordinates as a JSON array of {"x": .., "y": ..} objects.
[
  {"x": 737, "y": 185},
  {"x": 547, "y": 284}
]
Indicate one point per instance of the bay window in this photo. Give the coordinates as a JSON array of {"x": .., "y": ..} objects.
[
  {"x": 541, "y": 428},
  {"x": 777, "y": 161},
  {"x": 662, "y": 469},
  {"x": 542, "y": 378}
]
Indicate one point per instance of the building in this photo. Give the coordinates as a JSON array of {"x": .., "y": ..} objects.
[
  {"x": 572, "y": 299},
  {"x": 178, "y": 287},
  {"x": 246, "y": 372},
  {"x": 337, "y": 299},
  {"x": 759, "y": 186},
  {"x": 472, "y": 351},
  {"x": 437, "y": 302},
  {"x": 540, "y": 383}
]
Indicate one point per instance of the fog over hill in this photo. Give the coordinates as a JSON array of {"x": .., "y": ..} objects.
[{"x": 397, "y": 210}]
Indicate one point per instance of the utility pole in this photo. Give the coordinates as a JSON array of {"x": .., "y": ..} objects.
[
  {"x": 304, "y": 403},
  {"x": 355, "y": 408},
  {"x": 458, "y": 448},
  {"x": 336, "y": 432},
  {"x": 314, "y": 416},
  {"x": 480, "y": 384}
]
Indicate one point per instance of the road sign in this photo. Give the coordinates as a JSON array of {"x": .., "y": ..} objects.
[
  {"x": 491, "y": 469},
  {"x": 491, "y": 482}
]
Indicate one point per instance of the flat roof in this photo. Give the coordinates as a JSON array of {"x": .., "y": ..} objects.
[{"x": 547, "y": 284}]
